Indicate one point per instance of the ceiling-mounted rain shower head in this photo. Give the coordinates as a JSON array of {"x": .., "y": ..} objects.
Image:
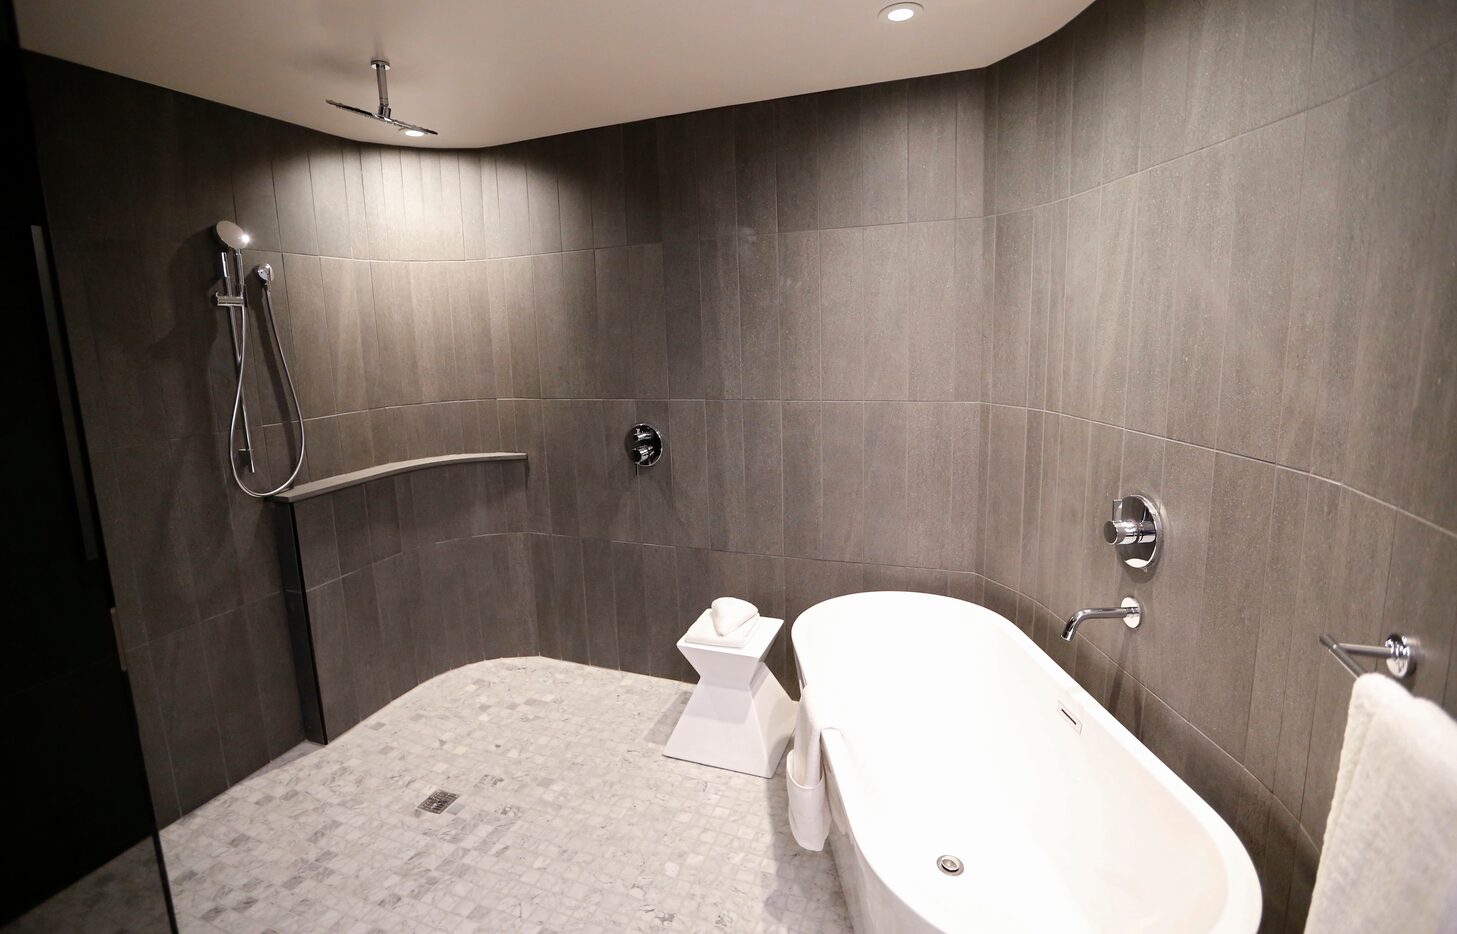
[{"x": 381, "y": 66}]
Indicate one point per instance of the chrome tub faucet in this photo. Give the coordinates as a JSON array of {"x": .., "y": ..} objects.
[{"x": 1131, "y": 612}]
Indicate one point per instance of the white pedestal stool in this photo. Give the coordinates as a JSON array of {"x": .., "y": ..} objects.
[{"x": 739, "y": 718}]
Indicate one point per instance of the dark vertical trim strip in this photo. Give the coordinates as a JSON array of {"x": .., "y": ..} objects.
[
  {"x": 90, "y": 535},
  {"x": 166, "y": 883},
  {"x": 300, "y": 629}
]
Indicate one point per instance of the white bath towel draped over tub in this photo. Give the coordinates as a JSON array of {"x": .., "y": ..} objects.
[
  {"x": 809, "y": 803},
  {"x": 1390, "y": 857}
]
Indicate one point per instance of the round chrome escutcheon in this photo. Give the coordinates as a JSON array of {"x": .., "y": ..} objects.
[{"x": 949, "y": 865}]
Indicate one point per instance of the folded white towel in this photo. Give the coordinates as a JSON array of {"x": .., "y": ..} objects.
[
  {"x": 703, "y": 632},
  {"x": 1389, "y": 862},
  {"x": 729, "y": 613},
  {"x": 809, "y": 803}
]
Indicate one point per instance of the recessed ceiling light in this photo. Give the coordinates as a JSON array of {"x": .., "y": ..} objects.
[
  {"x": 900, "y": 12},
  {"x": 411, "y": 131}
]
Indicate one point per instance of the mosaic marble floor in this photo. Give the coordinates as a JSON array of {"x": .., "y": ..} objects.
[{"x": 569, "y": 819}]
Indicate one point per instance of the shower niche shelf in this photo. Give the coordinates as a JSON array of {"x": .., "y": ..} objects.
[{"x": 354, "y": 478}]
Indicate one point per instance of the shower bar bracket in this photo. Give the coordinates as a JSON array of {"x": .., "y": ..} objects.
[
  {"x": 1399, "y": 652},
  {"x": 231, "y": 294}
]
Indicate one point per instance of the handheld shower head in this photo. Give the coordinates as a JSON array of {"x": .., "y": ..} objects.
[
  {"x": 265, "y": 272},
  {"x": 234, "y": 240},
  {"x": 383, "y": 114},
  {"x": 231, "y": 235}
]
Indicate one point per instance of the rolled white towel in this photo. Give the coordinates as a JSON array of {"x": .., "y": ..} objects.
[
  {"x": 729, "y": 613},
  {"x": 703, "y": 633}
]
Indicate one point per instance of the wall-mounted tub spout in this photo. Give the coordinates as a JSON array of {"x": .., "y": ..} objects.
[{"x": 1130, "y": 612}]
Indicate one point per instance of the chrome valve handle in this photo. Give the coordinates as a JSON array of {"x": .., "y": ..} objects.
[
  {"x": 1134, "y": 530},
  {"x": 1123, "y": 531},
  {"x": 644, "y": 445}
]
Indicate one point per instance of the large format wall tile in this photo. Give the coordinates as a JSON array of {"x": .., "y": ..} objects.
[
  {"x": 1266, "y": 179},
  {"x": 1241, "y": 506},
  {"x": 188, "y": 714}
]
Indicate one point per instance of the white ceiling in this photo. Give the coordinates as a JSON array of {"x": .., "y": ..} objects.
[{"x": 484, "y": 72}]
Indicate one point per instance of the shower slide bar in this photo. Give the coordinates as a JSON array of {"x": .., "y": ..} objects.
[{"x": 234, "y": 297}]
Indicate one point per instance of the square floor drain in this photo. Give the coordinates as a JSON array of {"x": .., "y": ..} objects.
[{"x": 437, "y": 802}]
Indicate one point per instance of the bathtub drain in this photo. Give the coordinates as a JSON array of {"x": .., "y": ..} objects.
[{"x": 949, "y": 865}]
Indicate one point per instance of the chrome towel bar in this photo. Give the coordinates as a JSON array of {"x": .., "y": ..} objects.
[{"x": 1399, "y": 651}]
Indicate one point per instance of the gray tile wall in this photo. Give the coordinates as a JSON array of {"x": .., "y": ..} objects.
[
  {"x": 401, "y": 579},
  {"x": 389, "y": 332},
  {"x": 907, "y": 336}
]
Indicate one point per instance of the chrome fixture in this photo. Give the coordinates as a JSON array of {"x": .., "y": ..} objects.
[
  {"x": 383, "y": 114},
  {"x": 1135, "y": 530},
  {"x": 233, "y": 239},
  {"x": 950, "y": 865},
  {"x": 644, "y": 444},
  {"x": 234, "y": 297},
  {"x": 438, "y": 802},
  {"x": 1130, "y": 612},
  {"x": 1400, "y": 653}
]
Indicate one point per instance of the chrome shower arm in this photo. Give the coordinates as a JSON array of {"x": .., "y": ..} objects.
[
  {"x": 383, "y": 112},
  {"x": 381, "y": 66}
]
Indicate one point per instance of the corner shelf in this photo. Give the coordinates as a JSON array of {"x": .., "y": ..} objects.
[{"x": 344, "y": 480}]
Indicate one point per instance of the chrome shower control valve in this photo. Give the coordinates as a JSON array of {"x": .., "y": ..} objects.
[
  {"x": 644, "y": 445},
  {"x": 1135, "y": 530}
]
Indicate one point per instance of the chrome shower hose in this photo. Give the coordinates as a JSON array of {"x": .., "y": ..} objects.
[{"x": 265, "y": 276}]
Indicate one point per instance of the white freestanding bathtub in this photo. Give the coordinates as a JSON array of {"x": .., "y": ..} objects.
[{"x": 952, "y": 734}]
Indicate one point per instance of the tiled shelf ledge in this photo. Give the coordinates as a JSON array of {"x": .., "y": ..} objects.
[{"x": 344, "y": 480}]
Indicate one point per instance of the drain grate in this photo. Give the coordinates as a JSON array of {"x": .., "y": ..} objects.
[{"x": 437, "y": 802}]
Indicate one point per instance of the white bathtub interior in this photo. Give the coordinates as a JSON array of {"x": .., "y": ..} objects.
[{"x": 959, "y": 740}]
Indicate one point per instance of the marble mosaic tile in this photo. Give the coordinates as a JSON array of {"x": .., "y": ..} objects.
[{"x": 569, "y": 819}]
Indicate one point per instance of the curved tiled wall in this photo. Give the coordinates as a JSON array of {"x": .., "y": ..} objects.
[
  {"x": 399, "y": 579},
  {"x": 388, "y": 329},
  {"x": 915, "y": 335},
  {"x": 919, "y": 335}
]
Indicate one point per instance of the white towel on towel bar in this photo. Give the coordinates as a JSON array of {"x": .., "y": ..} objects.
[
  {"x": 809, "y": 803},
  {"x": 1389, "y": 862},
  {"x": 729, "y": 613}
]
